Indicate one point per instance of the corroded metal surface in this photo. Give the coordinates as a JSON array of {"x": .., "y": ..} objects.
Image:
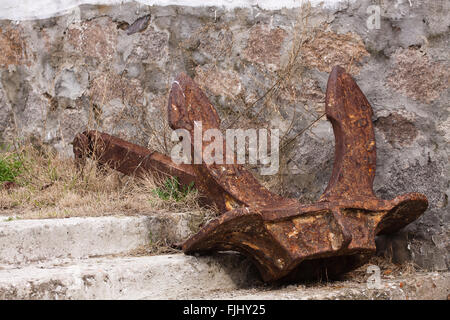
[
  {"x": 284, "y": 238},
  {"x": 230, "y": 185},
  {"x": 127, "y": 157}
]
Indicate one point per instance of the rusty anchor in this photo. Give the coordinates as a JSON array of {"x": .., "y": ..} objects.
[{"x": 285, "y": 239}]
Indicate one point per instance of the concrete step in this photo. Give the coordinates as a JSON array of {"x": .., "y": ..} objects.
[
  {"x": 84, "y": 258},
  {"x": 151, "y": 277},
  {"x": 418, "y": 286},
  {"x": 222, "y": 276},
  {"x": 25, "y": 241}
]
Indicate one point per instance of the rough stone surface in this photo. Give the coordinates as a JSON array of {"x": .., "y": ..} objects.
[
  {"x": 397, "y": 129},
  {"x": 327, "y": 49},
  {"x": 154, "y": 277},
  {"x": 58, "y": 259},
  {"x": 431, "y": 286},
  {"x": 93, "y": 39},
  {"x": 26, "y": 241},
  {"x": 84, "y": 70},
  {"x": 219, "y": 82},
  {"x": 418, "y": 76},
  {"x": 222, "y": 276},
  {"x": 264, "y": 45},
  {"x": 14, "y": 49}
]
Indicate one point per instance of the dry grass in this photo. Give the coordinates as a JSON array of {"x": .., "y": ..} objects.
[
  {"x": 51, "y": 187},
  {"x": 389, "y": 270}
]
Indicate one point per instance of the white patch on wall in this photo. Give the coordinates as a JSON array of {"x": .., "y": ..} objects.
[{"x": 42, "y": 9}]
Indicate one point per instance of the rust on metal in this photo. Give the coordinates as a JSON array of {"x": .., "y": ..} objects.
[
  {"x": 127, "y": 157},
  {"x": 229, "y": 185},
  {"x": 284, "y": 238}
]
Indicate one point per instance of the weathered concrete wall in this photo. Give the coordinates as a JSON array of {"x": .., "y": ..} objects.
[{"x": 94, "y": 68}]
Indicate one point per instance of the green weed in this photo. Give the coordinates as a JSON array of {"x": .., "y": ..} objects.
[
  {"x": 10, "y": 167},
  {"x": 173, "y": 190}
]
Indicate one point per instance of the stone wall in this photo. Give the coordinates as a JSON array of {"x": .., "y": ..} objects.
[{"x": 111, "y": 67}]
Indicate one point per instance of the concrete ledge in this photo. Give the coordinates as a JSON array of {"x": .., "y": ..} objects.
[
  {"x": 223, "y": 276},
  {"x": 155, "y": 277},
  {"x": 419, "y": 286},
  {"x": 24, "y": 241}
]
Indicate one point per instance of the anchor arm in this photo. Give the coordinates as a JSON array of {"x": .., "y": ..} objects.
[{"x": 355, "y": 150}]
